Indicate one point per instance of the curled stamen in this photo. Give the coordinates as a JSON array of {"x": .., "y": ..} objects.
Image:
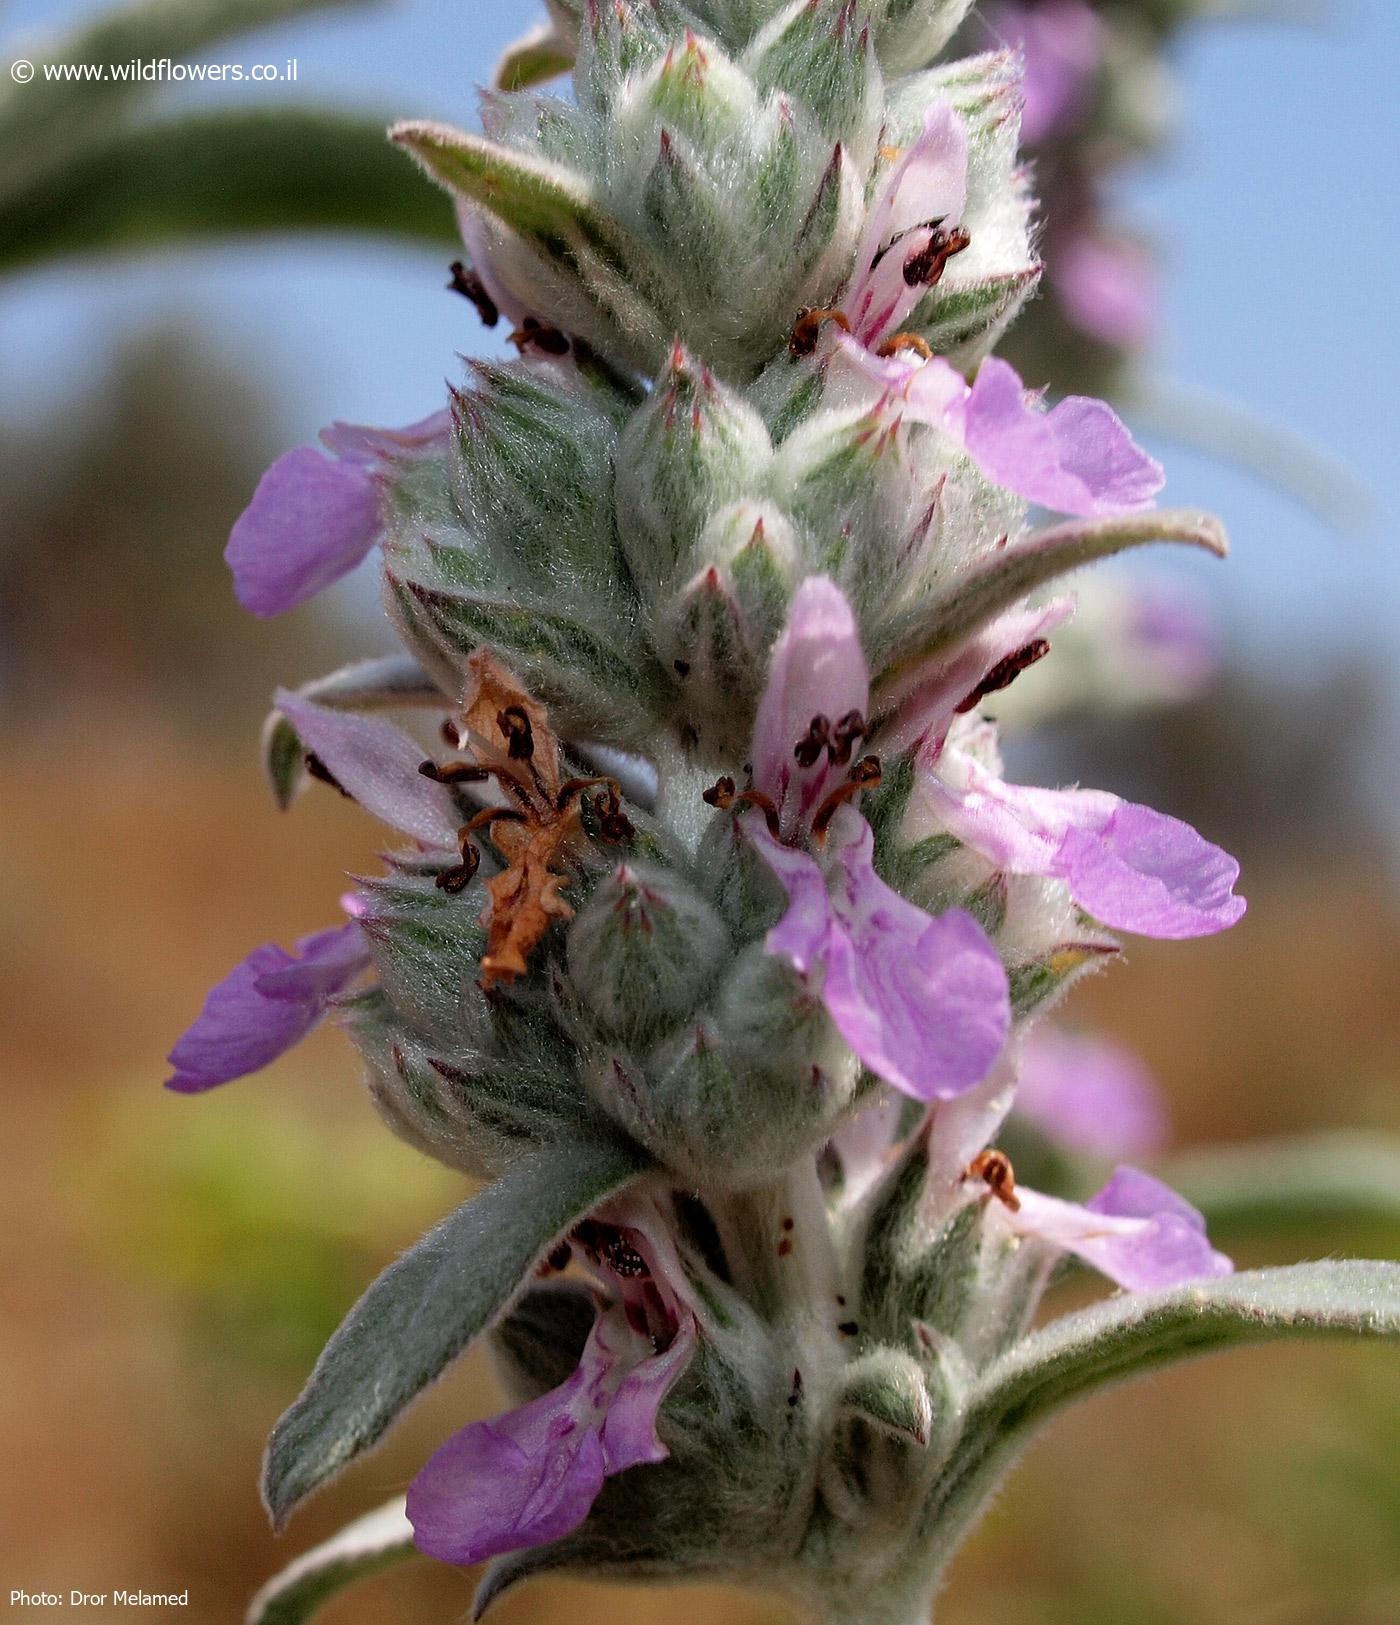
[
  {"x": 459, "y": 877},
  {"x": 814, "y": 742},
  {"x": 906, "y": 341},
  {"x": 865, "y": 775},
  {"x": 995, "y": 1170},
  {"x": 765, "y": 804},
  {"x": 925, "y": 266},
  {"x": 491, "y": 815},
  {"x": 806, "y": 330},
  {"x": 470, "y": 286},
  {"x": 573, "y": 787},
  {"x": 1005, "y": 672}
]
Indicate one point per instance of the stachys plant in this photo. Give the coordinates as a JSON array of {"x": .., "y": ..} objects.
[{"x": 717, "y": 929}]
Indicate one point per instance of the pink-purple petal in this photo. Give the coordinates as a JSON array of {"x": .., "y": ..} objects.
[
  {"x": 377, "y": 764},
  {"x": 1106, "y": 287},
  {"x": 1062, "y": 44},
  {"x": 1132, "y": 868},
  {"x": 817, "y": 669},
  {"x": 1077, "y": 459},
  {"x": 378, "y": 449},
  {"x": 1136, "y": 1231},
  {"x": 311, "y": 521},
  {"x": 527, "y": 1477},
  {"x": 264, "y": 1006},
  {"x": 1089, "y": 1095},
  {"x": 929, "y": 182},
  {"x": 1146, "y": 872},
  {"x": 922, "y": 1001}
]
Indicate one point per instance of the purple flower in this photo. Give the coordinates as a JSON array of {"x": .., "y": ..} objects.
[
  {"x": 1062, "y": 44},
  {"x": 1077, "y": 458},
  {"x": 532, "y": 1475},
  {"x": 1105, "y": 286},
  {"x": 922, "y": 1001},
  {"x": 313, "y": 519},
  {"x": 378, "y": 765},
  {"x": 1089, "y": 1095},
  {"x": 923, "y": 193},
  {"x": 1130, "y": 867},
  {"x": 817, "y": 669},
  {"x": 264, "y": 1006},
  {"x": 1136, "y": 1231}
]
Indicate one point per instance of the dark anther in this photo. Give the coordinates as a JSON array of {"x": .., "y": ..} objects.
[
  {"x": 844, "y": 735},
  {"x": 720, "y": 794},
  {"x": 682, "y": 668},
  {"x": 806, "y": 330},
  {"x": 795, "y": 1392},
  {"x": 814, "y": 742},
  {"x": 1006, "y": 671},
  {"x": 613, "y": 824},
  {"x": 925, "y": 266},
  {"x": 848, "y": 1328},
  {"x": 451, "y": 735},
  {"x": 470, "y": 286},
  {"x": 994, "y": 1168},
  {"x": 532, "y": 334},
  {"x": 459, "y": 877},
  {"x": 318, "y": 770},
  {"x": 560, "y": 1256},
  {"x": 865, "y": 775},
  {"x": 454, "y": 772},
  {"x": 519, "y": 735}
]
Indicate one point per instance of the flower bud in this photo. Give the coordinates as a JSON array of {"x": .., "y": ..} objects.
[
  {"x": 642, "y": 951},
  {"x": 533, "y": 454},
  {"x": 694, "y": 446},
  {"x": 821, "y": 52}
]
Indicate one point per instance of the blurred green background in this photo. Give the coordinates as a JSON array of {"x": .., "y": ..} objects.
[{"x": 171, "y": 1266}]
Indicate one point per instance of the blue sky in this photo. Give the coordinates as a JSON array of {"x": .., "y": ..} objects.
[{"x": 1275, "y": 208}]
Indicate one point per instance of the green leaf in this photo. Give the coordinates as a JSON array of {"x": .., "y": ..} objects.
[
  {"x": 543, "y": 202},
  {"x": 212, "y": 174},
  {"x": 371, "y": 1544},
  {"x": 1127, "y": 1336},
  {"x": 428, "y": 1306},
  {"x": 930, "y": 630},
  {"x": 43, "y": 121},
  {"x": 1278, "y": 1187}
]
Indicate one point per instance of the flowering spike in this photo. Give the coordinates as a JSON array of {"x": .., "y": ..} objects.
[{"x": 718, "y": 936}]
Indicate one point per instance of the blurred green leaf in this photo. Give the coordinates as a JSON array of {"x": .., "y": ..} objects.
[
  {"x": 1082, "y": 1353},
  {"x": 372, "y": 1543},
  {"x": 43, "y": 121},
  {"x": 1312, "y": 1183},
  {"x": 284, "y": 170}
]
